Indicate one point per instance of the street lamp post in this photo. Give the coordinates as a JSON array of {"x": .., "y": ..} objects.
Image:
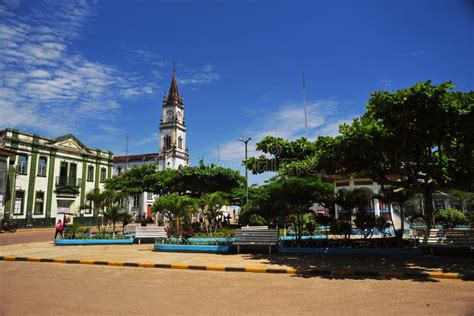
[{"x": 246, "y": 170}]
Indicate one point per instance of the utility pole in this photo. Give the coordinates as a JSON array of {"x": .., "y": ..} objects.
[{"x": 246, "y": 169}]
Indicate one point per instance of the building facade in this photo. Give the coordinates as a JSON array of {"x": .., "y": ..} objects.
[
  {"x": 47, "y": 176},
  {"x": 173, "y": 150},
  {"x": 371, "y": 189}
]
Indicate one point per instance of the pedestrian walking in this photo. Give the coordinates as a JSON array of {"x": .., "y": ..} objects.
[{"x": 59, "y": 229}]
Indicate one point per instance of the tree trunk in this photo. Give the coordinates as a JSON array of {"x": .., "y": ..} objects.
[
  {"x": 402, "y": 218},
  {"x": 429, "y": 212}
]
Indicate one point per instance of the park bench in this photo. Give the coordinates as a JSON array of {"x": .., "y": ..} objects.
[
  {"x": 459, "y": 237},
  {"x": 157, "y": 232},
  {"x": 254, "y": 227},
  {"x": 256, "y": 237},
  {"x": 437, "y": 237},
  {"x": 129, "y": 230}
]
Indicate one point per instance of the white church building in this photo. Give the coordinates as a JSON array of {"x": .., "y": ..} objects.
[{"x": 173, "y": 150}]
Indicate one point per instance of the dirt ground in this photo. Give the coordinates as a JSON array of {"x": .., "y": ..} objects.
[{"x": 49, "y": 289}]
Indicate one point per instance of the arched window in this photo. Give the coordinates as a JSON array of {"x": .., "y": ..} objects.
[
  {"x": 178, "y": 117},
  {"x": 180, "y": 142}
]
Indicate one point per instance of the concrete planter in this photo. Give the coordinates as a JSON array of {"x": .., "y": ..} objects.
[
  {"x": 352, "y": 251},
  {"x": 191, "y": 248},
  {"x": 85, "y": 242}
]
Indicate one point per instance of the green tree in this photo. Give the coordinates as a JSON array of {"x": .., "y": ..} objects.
[
  {"x": 114, "y": 213},
  {"x": 211, "y": 205},
  {"x": 294, "y": 197},
  {"x": 192, "y": 181},
  {"x": 419, "y": 138},
  {"x": 465, "y": 198},
  {"x": 175, "y": 208}
]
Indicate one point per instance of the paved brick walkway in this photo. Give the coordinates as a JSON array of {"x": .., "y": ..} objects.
[
  {"x": 59, "y": 289},
  {"x": 144, "y": 253}
]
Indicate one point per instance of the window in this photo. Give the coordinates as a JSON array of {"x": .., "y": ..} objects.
[
  {"x": 103, "y": 174},
  {"x": 42, "y": 167},
  {"x": 90, "y": 173},
  {"x": 149, "y": 196},
  {"x": 89, "y": 209},
  {"x": 72, "y": 174},
  {"x": 39, "y": 203},
  {"x": 167, "y": 140},
  {"x": 63, "y": 173},
  {"x": 19, "y": 201},
  {"x": 119, "y": 170},
  {"x": 22, "y": 164},
  {"x": 180, "y": 142},
  {"x": 136, "y": 200}
]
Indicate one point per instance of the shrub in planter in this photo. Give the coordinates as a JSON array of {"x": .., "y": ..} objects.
[{"x": 451, "y": 218}]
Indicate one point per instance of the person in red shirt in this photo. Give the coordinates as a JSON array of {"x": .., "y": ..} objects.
[{"x": 59, "y": 229}]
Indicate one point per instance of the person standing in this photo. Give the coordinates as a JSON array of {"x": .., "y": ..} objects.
[{"x": 59, "y": 229}]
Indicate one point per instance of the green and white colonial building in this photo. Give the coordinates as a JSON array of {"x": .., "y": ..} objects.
[{"x": 46, "y": 176}]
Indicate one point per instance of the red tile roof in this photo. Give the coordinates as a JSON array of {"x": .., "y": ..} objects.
[{"x": 142, "y": 157}]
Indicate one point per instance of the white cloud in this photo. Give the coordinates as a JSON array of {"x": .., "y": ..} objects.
[
  {"x": 204, "y": 75},
  {"x": 418, "y": 52},
  {"x": 154, "y": 138},
  {"x": 288, "y": 122},
  {"x": 387, "y": 82},
  {"x": 46, "y": 84}
]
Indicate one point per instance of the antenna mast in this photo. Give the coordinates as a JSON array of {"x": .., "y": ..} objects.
[{"x": 305, "y": 108}]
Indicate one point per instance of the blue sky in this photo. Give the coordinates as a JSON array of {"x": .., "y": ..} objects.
[{"x": 98, "y": 69}]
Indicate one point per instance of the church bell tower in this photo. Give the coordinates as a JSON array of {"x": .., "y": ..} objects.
[{"x": 173, "y": 147}]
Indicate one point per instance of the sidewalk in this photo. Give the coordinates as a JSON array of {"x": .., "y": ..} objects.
[{"x": 134, "y": 255}]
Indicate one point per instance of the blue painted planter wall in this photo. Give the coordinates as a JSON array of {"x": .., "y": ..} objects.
[
  {"x": 352, "y": 251},
  {"x": 191, "y": 248},
  {"x": 84, "y": 242}
]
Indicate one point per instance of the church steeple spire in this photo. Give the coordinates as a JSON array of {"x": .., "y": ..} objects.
[{"x": 173, "y": 94}]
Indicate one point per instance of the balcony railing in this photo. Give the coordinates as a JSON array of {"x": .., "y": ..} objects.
[{"x": 68, "y": 181}]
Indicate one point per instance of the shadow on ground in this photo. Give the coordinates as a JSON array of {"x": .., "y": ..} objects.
[{"x": 368, "y": 267}]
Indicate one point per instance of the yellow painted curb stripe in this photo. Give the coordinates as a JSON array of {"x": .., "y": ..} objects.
[
  {"x": 215, "y": 268},
  {"x": 257, "y": 270},
  {"x": 179, "y": 266},
  {"x": 33, "y": 259},
  {"x": 436, "y": 275},
  {"x": 444, "y": 275},
  {"x": 145, "y": 265}
]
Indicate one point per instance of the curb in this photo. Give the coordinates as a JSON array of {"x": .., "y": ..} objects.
[{"x": 315, "y": 272}]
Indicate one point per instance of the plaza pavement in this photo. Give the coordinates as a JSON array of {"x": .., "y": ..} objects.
[
  {"x": 61, "y": 289},
  {"x": 341, "y": 265}
]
